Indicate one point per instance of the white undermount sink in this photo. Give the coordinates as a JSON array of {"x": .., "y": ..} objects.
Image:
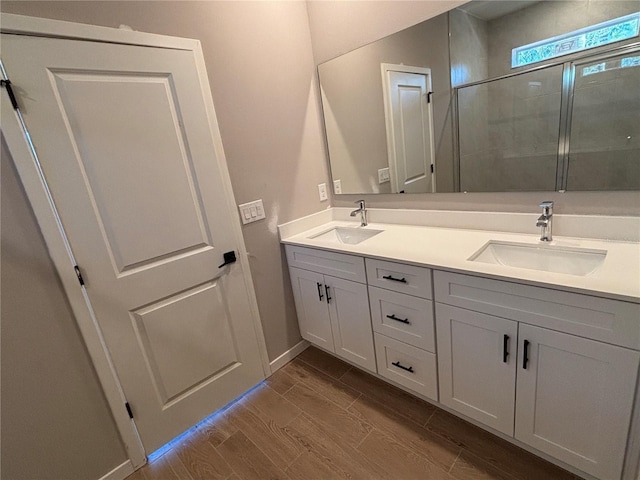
[
  {"x": 548, "y": 258},
  {"x": 346, "y": 235}
]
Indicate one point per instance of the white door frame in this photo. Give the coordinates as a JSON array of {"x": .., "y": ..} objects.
[
  {"x": 46, "y": 214},
  {"x": 388, "y": 119}
]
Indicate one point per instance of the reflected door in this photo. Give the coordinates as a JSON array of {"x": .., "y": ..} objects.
[
  {"x": 126, "y": 145},
  {"x": 409, "y": 128}
]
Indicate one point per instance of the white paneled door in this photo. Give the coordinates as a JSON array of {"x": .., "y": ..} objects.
[
  {"x": 128, "y": 149},
  {"x": 407, "y": 96}
]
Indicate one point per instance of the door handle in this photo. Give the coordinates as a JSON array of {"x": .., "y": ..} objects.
[
  {"x": 229, "y": 258},
  {"x": 320, "y": 296},
  {"x": 401, "y": 320},
  {"x": 326, "y": 289},
  {"x": 389, "y": 277},
  {"x": 525, "y": 354},
  {"x": 399, "y": 365},
  {"x": 505, "y": 348}
]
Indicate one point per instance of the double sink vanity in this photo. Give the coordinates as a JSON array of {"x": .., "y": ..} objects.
[{"x": 535, "y": 341}]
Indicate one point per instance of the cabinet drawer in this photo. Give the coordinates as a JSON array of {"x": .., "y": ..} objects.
[
  {"x": 399, "y": 277},
  {"x": 349, "y": 267},
  {"x": 407, "y": 365},
  {"x": 597, "y": 318},
  {"x": 403, "y": 317}
]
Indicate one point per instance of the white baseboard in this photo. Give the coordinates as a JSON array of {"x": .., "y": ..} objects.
[
  {"x": 120, "y": 472},
  {"x": 289, "y": 355}
]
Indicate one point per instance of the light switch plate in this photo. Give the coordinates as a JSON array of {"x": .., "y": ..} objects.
[
  {"x": 383, "y": 175},
  {"x": 322, "y": 190},
  {"x": 337, "y": 187},
  {"x": 251, "y": 212}
]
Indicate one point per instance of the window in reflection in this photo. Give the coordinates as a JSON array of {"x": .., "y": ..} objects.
[{"x": 615, "y": 30}]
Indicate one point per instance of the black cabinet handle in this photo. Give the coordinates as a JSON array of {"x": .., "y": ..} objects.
[
  {"x": 399, "y": 365},
  {"x": 320, "y": 296},
  {"x": 389, "y": 277},
  {"x": 326, "y": 289},
  {"x": 525, "y": 355},
  {"x": 505, "y": 348},
  {"x": 401, "y": 320}
]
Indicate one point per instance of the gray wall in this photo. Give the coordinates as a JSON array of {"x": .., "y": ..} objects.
[
  {"x": 339, "y": 26},
  {"x": 55, "y": 421},
  {"x": 262, "y": 75}
]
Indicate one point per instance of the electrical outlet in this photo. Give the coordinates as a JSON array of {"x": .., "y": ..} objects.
[
  {"x": 251, "y": 212},
  {"x": 337, "y": 187},
  {"x": 383, "y": 175},
  {"x": 322, "y": 190}
]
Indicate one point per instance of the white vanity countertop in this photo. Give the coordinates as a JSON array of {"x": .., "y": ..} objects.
[{"x": 450, "y": 248}]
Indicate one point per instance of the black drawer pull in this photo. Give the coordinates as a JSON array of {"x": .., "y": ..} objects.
[
  {"x": 320, "y": 296},
  {"x": 326, "y": 289},
  {"x": 389, "y": 277},
  {"x": 399, "y": 365},
  {"x": 505, "y": 348},
  {"x": 525, "y": 356},
  {"x": 401, "y": 320}
]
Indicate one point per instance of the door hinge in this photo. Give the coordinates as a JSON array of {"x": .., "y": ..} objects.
[
  {"x": 129, "y": 411},
  {"x": 79, "y": 275},
  {"x": 429, "y": 97},
  {"x": 7, "y": 84}
]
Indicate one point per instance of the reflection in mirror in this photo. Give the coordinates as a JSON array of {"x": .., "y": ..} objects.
[
  {"x": 548, "y": 128},
  {"x": 604, "y": 152},
  {"x": 359, "y": 133},
  {"x": 508, "y": 133}
]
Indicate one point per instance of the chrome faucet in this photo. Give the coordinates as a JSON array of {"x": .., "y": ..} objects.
[
  {"x": 362, "y": 211},
  {"x": 544, "y": 221}
]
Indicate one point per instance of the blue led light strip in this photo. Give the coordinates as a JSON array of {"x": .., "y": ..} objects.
[{"x": 611, "y": 31}]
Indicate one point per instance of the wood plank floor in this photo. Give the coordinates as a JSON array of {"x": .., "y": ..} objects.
[{"x": 319, "y": 418}]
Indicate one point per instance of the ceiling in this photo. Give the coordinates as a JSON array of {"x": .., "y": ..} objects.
[{"x": 491, "y": 9}]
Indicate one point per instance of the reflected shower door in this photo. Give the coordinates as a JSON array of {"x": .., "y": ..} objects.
[
  {"x": 508, "y": 133},
  {"x": 604, "y": 153}
]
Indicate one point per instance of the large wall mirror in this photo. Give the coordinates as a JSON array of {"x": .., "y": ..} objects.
[{"x": 494, "y": 96}]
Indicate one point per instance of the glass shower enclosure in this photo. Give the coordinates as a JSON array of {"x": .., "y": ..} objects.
[{"x": 566, "y": 126}]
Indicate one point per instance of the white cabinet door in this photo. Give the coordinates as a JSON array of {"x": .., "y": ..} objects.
[
  {"x": 574, "y": 399},
  {"x": 351, "y": 321},
  {"x": 311, "y": 305},
  {"x": 477, "y": 365}
]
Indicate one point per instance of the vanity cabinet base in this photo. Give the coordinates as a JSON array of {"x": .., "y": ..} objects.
[{"x": 551, "y": 371}]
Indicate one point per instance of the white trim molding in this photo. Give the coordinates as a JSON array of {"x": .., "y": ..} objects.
[
  {"x": 120, "y": 472},
  {"x": 289, "y": 355}
]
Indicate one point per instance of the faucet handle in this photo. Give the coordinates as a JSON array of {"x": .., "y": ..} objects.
[
  {"x": 360, "y": 203},
  {"x": 546, "y": 204}
]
